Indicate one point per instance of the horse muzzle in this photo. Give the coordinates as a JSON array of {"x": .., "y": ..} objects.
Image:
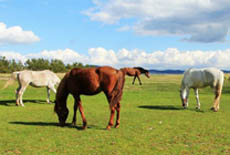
[{"x": 62, "y": 124}]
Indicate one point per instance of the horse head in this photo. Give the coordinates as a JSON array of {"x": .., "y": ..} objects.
[
  {"x": 143, "y": 71},
  {"x": 147, "y": 74},
  {"x": 184, "y": 97},
  {"x": 62, "y": 112}
]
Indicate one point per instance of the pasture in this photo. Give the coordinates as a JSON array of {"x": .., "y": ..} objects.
[{"x": 152, "y": 122}]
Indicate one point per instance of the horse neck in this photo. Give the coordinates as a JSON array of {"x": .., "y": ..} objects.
[
  {"x": 141, "y": 71},
  {"x": 62, "y": 91},
  {"x": 124, "y": 70}
]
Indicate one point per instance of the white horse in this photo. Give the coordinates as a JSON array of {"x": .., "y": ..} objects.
[
  {"x": 200, "y": 78},
  {"x": 36, "y": 79}
]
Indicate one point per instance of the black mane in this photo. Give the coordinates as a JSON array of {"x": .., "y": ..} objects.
[{"x": 142, "y": 70}]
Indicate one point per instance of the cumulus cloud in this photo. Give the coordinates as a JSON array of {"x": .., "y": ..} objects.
[
  {"x": 194, "y": 20},
  {"x": 16, "y": 35},
  {"x": 170, "y": 58}
]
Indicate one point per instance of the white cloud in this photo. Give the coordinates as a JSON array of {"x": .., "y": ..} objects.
[
  {"x": 170, "y": 58},
  {"x": 13, "y": 55},
  {"x": 193, "y": 20},
  {"x": 16, "y": 35}
]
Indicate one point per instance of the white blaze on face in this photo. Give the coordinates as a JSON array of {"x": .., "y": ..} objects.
[{"x": 183, "y": 94}]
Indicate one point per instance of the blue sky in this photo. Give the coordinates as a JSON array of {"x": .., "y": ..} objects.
[{"x": 159, "y": 34}]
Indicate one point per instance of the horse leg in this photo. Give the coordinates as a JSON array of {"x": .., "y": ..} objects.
[
  {"x": 82, "y": 113},
  {"x": 48, "y": 95},
  {"x": 21, "y": 92},
  {"x": 216, "y": 103},
  {"x": 17, "y": 95},
  {"x": 139, "y": 80},
  {"x": 118, "y": 108},
  {"x": 50, "y": 87},
  {"x": 112, "y": 112},
  {"x": 53, "y": 89},
  {"x": 134, "y": 79},
  {"x": 197, "y": 98},
  {"x": 75, "y": 112}
]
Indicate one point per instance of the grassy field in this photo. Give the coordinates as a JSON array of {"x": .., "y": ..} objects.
[{"x": 152, "y": 122}]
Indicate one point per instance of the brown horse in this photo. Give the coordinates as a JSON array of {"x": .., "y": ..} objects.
[
  {"x": 136, "y": 72},
  {"x": 90, "y": 81}
]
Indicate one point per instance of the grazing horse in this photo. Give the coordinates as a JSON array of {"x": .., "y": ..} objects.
[
  {"x": 136, "y": 72},
  {"x": 90, "y": 81},
  {"x": 200, "y": 78},
  {"x": 45, "y": 78}
]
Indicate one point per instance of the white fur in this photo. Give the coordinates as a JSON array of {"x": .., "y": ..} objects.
[
  {"x": 44, "y": 78},
  {"x": 200, "y": 78}
]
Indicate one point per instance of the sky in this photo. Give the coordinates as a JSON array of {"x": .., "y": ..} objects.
[{"x": 154, "y": 34}]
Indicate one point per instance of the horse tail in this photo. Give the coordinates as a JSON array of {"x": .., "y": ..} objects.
[
  {"x": 61, "y": 91},
  {"x": 14, "y": 76},
  {"x": 118, "y": 89}
]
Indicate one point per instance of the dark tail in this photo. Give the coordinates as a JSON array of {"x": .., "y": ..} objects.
[{"x": 118, "y": 89}]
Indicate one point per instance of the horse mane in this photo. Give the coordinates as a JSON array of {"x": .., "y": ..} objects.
[
  {"x": 118, "y": 88},
  {"x": 62, "y": 92},
  {"x": 142, "y": 70}
]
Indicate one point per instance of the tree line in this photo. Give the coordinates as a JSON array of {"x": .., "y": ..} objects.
[{"x": 9, "y": 66}]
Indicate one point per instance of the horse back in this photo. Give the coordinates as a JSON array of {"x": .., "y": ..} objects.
[
  {"x": 198, "y": 78},
  {"x": 130, "y": 71},
  {"x": 83, "y": 81},
  {"x": 38, "y": 78},
  {"x": 108, "y": 78},
  {"x": 214, "y": 76},
  {"x": 90, "y": 81}
]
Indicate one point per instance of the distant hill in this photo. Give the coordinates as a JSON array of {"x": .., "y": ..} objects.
[{"x": 169, "y": 71}]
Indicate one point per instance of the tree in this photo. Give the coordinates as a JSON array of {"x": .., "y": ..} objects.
[
  {"x": 57, "y": 66},
  {"x": 4, "y": 65},
  {"x": 37, "y": 64},
  {"x": 14, "y": 66}
]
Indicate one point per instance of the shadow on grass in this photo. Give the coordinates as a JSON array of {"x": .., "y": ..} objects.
[
  {"x": 160, "y": 107},
  {"x": 13, "y": 102},
  {"x": 168, "y": 107},
  {"x": 68, "y": 125}
]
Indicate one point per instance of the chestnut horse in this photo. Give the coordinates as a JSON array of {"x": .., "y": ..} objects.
[
  {"x": 136, "y": 72},
  {"x": 90, "y": 81}
]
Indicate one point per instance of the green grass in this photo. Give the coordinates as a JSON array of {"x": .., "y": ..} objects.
[{"x": 152, "y": 122}]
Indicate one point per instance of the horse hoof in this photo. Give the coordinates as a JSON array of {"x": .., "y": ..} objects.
[
  {"x": 117, "y": 126},
  {"x": 214, "y": 109},
  {"x": 61, "y": 124},
  {"x": 84, "y": 127},
  {"x": 108, "y": 127}
]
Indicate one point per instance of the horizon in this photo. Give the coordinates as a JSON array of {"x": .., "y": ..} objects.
[{"x": 152, "y": 34}]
